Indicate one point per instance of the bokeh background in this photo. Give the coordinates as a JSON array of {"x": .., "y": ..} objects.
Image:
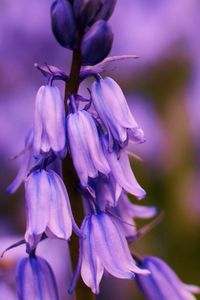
[{"x": 163, "y": 89}]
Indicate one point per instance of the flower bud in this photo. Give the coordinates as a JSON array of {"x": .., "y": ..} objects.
[
  {"x": 85, "y": 11},
  {"x": 96, "y": 43},
  {"x": 106, "y": 9},
  {"x": 63, "y": 23}
]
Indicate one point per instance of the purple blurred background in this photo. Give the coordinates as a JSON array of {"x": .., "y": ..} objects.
[{"x": 163, "y": 89}]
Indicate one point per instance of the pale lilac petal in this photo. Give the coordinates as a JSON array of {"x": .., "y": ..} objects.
[
  {"x": 133, "y": 210},
  {"x": 54, "y": 118},
  {"x": 122, "y": 172},
  {"x": 37, "y": 205},
  {"x": 94, "y": 147},
  {"x": 35, "y": 280},
  {"x": 78, "y": 148},
  {"x": 162, "y": 283},
  {"x": 24, "y": 167},
  {"x": 91, "y": 267},
  {"x": 112, "y": 248},
  {"x": 60, "y": 223},
  {"x": 87, "y": 155},
  {"x": 49, "y": 122}
]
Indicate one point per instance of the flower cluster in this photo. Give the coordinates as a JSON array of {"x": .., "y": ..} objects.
[{"x": 94, "y": 132}]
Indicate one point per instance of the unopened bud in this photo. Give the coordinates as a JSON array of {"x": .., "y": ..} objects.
[
  {"x": 85, "y": 11},
  {"x": 96, "y": 43},
  {"x": 63, "y": 23},
  {"x": 106, "y": 9}
]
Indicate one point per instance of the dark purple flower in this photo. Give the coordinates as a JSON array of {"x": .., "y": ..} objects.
[
  {"x": 35, "y": 280},
  {"x": 85, "y": 11},
  {"x": 63, "y": 23},
  {"x": 163, "y": 283},
  {"x": 105, "y": 247},
  {"x": 85, "y": 147},
  {"x": 113, "y": 110},
  {"x": 96, "y": 43},
  {"x": 49, "y": 124},
  {"x": 48, "y": 207},
  {"x": 106, "y": 9}
]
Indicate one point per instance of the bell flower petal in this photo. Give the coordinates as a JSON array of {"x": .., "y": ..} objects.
[
  {"x": 112, "y": 108},
  {"x": 35, "y": 280},
  {"x": 85, "y": 147},
  {"x": 48, "y": 208},
  {"x": 163, "y": 283},
  {"x": 49, "y": 123}
]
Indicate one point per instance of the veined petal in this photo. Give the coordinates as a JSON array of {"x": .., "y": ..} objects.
[
  {"x": 135, "y": 211},
  {"x": 162, "y": 283},
  {"x": 49, "y": 123},
  {"x": 38, "y": 193},
  {"x": 91, "y": 267},
  {"x": 79, "y": 150},
  {"x": 54, "y": 118},
  {"x": 61, "y": 218},
  {"x": 112, "y": 248},
  {"x": 122, "y": 172},
  {"x": 35, "y": 280},
  {"x": 94, "y": 147}
]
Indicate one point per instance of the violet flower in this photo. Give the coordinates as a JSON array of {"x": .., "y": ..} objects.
[
  {"x": 48, "y": 208},
  {"x": 35, "y": 280},
  {"x": 122, "y": 172},
  {"x": 113, "y": 110},
  {"x": 105, "y": 247},
  {"x": 85, "y": 147},
  {"x": 128, "y": 212},
  {"x": 49, "y": 125},
  {"x": 163, "y": 283},
  {"x": 25, "y": 164}
]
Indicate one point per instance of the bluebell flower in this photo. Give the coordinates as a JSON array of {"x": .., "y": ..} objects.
[
  {"x": 105, "y": 247},
  {"x": 85, "y": 147},
  {"x": 96, "y": 43},
  {"x": 49, "y": 123},
  {"x": 63, "y": 23},
  {"x": 112, "y": 108},
  {"x": 48, "y": 208},
  {"x": 128, "y": 212},
  {"x": 163, "y": 283},
  {"x": 35, "y": 280},
  {"x": 122, "y": 172},
  {"x": 25, "y": 164}
]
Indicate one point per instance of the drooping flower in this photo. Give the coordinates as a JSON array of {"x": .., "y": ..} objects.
[
  {"x": 25, "y": 164},
  {"x": 49, "y": 123},
  {"x": 163, "y": 283},
  {"x": 112, "y": 108},
  {"x": 48, "y": 207},
  {"x": 87, "y": 153},
  {"x": 128, "y": 212},
  {"x": 122, "y": 172},
  {"x": 35, "y": 280},
  {"x": 105, "y": 247}
]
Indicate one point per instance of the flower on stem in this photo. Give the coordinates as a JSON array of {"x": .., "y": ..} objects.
[
  {"x": 25, "y": 164},
  {"x": 128, "y": 212},
  {"x": 105, "y": 247},
  {"x": 86, "y": 151},
  {"x": 163, "y": 283},
  {"x": 113, "y": 110},
  {"x": 122, "y": 172},
  {"x": 35, "y": 280},
  {"x": 49, "y": 123},
  {"x": 48, "y": 208}
]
